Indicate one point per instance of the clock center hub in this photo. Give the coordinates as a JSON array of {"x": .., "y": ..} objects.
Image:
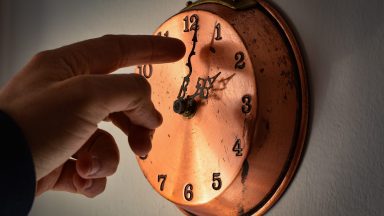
[{"x": 186, "y": 107}]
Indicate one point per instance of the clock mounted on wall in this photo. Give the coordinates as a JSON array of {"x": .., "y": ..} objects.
[{"x": 235, "y": 109}]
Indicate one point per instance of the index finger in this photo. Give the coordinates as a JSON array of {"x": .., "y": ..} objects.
[{"x": 111, "y": 52}]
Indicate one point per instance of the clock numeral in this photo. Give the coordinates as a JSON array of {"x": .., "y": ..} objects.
[
  {"x": 237, "y": 148},
  {"x": 239, "y": 57},
  {"x": 218, "y": 32},
  {"x": 145, "y": 70},
  {"x": 166, "y": 34},
  {"x": 161, "y": 178},
  {"x": 188, "y": 193},
  {"x": 216, "y": 184},
  {"x": 191, "y": 24},
  {"x": 247, "y": 107}
]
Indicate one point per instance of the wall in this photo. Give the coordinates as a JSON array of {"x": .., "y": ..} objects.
[{"x": 342, "y": 172}]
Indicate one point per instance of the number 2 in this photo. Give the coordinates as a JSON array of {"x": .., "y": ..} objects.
[{"x": 239, "y": 57}]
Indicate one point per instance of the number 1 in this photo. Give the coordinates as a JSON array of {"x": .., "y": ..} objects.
[{"x": 218, "y": 32}]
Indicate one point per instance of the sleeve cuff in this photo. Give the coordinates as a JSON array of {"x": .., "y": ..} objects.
[{"x": 17, "y": 178}]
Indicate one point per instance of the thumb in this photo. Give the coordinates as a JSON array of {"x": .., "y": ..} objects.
[{"x": 105, "y": 94}]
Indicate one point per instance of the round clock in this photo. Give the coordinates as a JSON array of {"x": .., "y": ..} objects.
[{"x": 235, "y": 109}]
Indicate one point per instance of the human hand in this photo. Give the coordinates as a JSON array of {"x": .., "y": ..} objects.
[{"x": 61, "y": 95}]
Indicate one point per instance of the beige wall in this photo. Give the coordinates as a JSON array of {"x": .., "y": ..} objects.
[{"x": 342, "y": 172}]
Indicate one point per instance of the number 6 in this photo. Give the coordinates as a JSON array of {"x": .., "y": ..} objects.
[{"x": 188, "y": 194}]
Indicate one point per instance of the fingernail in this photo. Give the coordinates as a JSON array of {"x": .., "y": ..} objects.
[
  {"x": 88, "y": 184},
  {"x": 151, "y": 133},
  {"x": 95, "y": 167},
  {"x": 159, "y": 118}
]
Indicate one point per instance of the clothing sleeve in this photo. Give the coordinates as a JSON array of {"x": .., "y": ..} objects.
[{"x": 17, "y": 172}]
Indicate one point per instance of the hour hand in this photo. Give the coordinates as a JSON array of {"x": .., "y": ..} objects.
[
  {"x": 183, "y": 88},
  {"x": 204, "y": 85}
]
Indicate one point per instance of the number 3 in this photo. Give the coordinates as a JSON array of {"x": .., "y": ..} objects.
[{"x": 247, "y": 107}]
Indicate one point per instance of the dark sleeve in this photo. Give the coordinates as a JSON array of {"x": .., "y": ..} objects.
[{"x": 17, "y": 172}]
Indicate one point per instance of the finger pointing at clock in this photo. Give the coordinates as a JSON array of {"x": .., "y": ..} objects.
[{"x": 61, "y": 95}]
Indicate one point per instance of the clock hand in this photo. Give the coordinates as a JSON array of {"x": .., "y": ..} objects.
[
  {"x": 211, "y": 48},
  {"x": 183, "y": 105},
  {"x": 202, "y": 89},
  {"x": 184, "y": 85},
  {"x": 188, "y": 106}
]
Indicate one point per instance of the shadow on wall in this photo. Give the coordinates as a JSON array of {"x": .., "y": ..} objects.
[
  {"x": 343, "y": 48},
  {"x": 347, "y": 28},
  {"x": 11, "y": 34}
]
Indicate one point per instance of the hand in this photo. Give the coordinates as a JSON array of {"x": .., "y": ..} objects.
[{"x": 61, "y": 95}]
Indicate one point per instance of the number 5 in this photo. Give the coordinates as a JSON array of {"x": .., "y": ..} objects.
[{"x": 216, "y": 184}]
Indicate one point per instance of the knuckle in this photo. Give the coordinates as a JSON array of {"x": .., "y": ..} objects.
[
  {"x": 143, "y": 85},
  {"x": 108, "y": 36},
  {"x": 97, "y": 188},
  {"x": 143, "y": 96},
  {"x": 112, "y": 168},
  {"x": 105, "y": 135},
  {"x": 83, "y": 89},
  {"x": 108, "y": 152},
  {"x": 44, "y": 56}
]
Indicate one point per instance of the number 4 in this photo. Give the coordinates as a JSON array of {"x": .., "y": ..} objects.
[{"x": 237, "y": 148}]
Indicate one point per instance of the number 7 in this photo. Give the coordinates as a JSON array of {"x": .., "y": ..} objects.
[{"x": 161, "y": 178}]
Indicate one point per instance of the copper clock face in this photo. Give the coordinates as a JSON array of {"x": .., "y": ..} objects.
[
  {"x": 195, "y": 158},
  {"x": 235, "y": 109}
]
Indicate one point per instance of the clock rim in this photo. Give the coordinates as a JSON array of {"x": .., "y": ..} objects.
[{"x": 302, "y": 129}]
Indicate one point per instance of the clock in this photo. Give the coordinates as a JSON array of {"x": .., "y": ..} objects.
[{"x": 235, "y": 109}]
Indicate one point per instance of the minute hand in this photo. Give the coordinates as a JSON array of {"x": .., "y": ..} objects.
[
  {"x": 203, "y": 86},
  {"x": 184, "y": 85}
]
